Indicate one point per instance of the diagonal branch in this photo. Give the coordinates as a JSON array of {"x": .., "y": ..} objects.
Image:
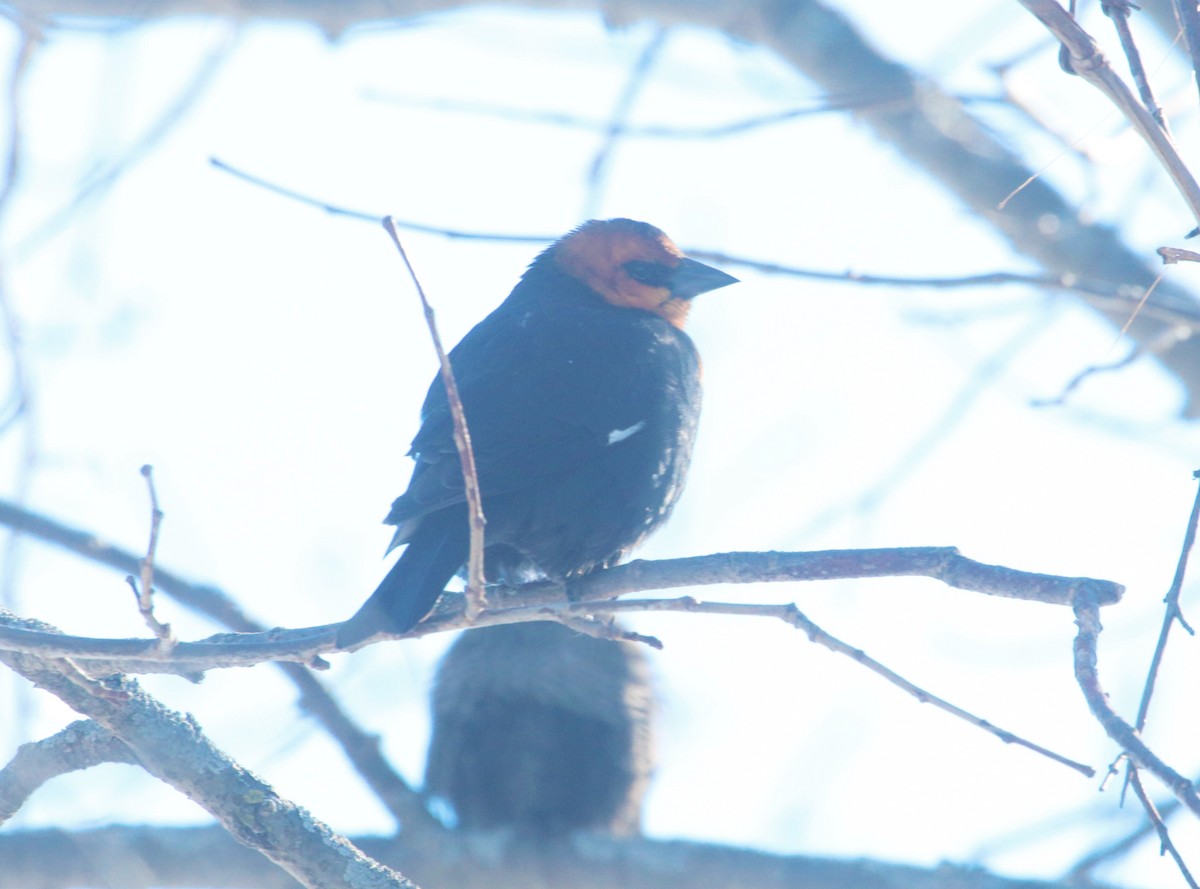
[
  {"x": 1087, "y": 619},
  {"x": 361, "y": 748},
  {"x": 1090, "y": 64},
  {"x": 171, "y": 747},
  {"x": 80, "y": 745}
]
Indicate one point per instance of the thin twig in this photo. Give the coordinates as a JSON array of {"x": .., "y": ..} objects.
[
  {"x": 1081, "y": 871},
  {"x": 1088, "y": 62},
  {"x": 1173, "y": 613},
  {"x": 825, "y": 105},
  {"x": 476, "y": 596},
  {"x": 792, "y": 616},
  {"x": 1104, "y": 295},
  {"x": 336, "y": 210},
  {"x": 361, "y": 749},
  {"x": 588, "y": 625},
  {"x": 1160, "y": 827},
  {"x": 1138, "y": 308},
  {"x": 1077, "y": 380},
  {"x": 145, "y": 595},
  {"x": 1118, "y": 11},
  {"x": 1188, "y": 17}
]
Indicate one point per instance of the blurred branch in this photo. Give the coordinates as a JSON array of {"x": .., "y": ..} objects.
[
  {"x": 172, "y": 747},
  {"x": 1166, "y": 846},
  {"x": 103, "y": 179},
  {"x": 936, "y": 134},
  {"x": 929, "y": 127},
  {"x": 1188, "y": 18},
  {"x": 80, "y": 745},
  {"x": 377, "y": 218},
  {"x": 614, "y": 130},
  {"x": 361, "y": 748},
  {"x": 824, "y": 105},
  {"x": 185, "y": 857}
]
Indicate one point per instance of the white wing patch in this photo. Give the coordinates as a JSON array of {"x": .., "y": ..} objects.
[{"x": 618, "y": 435}]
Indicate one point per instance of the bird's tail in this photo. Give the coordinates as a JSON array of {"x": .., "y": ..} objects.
[{"x": 435, "y": 552}]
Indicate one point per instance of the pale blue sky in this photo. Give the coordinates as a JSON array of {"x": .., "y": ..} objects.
[{"x": 269, "y": 360}]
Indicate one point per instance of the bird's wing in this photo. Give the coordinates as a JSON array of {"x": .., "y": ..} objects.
[{"x": 543, "y": 393}]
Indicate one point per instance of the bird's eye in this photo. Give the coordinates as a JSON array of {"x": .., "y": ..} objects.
[{"x": 654, "y": 274}]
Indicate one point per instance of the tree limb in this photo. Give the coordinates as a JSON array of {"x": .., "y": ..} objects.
[
  {"x": 172, "y": 747},
  {"x": 138, "y": 857}
]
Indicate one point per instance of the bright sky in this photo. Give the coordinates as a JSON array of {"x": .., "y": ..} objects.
[{"x": 269, "y": 360}]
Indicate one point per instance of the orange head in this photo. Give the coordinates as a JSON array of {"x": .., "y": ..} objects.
[{"x": 634, "y": 265}]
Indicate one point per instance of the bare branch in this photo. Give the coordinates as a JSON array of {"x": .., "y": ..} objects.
[
  {"x": 1173, "y": 612},
  {"x": 1087, "y": 619},
  {"x": 145, "y": 595},
  {"x": 792, "y": 616},
  {"x": 1118, "y": 11},
  {"x": 614, "y": 130},
  {"x": 335, "y": 210},
  {"x": 1171, "y": 255},
  {"x": 823, "y": 105},
  {"x": 101, "y": 656},
  {"x": 476, "y": 597},
  {"x": 1107, "y": 296},
  {"x": 1188, "y": 18},
  {"x": 1160, "y": 827},
  {"x": 1082, "y": 869},
  {"x": 171, "y": 747},
  {"x": 186, "y": 857},
  {"x": 1089, "y": 63},
  {"x": 361, "y": 748},
  {"x": 943, "y": 563},
  {"x": 80, "y": 745}
]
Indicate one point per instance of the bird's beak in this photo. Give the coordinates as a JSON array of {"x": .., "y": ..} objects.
[{"x": 692, "y": 278}]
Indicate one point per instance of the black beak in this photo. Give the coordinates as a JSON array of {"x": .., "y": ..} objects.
[{"x": 691, "y": 278}]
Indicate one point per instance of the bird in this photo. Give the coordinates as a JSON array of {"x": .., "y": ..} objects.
[
  {"x": 542, "y": 731},
  {"x": 581, "y": 394}
]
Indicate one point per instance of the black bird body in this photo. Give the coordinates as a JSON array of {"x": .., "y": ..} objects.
[{"x": 581, "y": 393}]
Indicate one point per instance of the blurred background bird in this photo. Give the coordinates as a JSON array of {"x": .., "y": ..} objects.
[
  {"x": 542, "y": 731},
  {"x": 581, "y": 393}
]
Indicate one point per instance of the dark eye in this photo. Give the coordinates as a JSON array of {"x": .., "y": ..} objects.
[{"x": 654, "y": 274}]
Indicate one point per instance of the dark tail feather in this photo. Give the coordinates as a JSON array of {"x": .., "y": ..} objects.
[{"x": 436, "y": 551}]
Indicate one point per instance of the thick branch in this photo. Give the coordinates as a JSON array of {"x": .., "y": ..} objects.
[
  {"x": 171, "y": 747},
  {"x": 180, "y": 857}
]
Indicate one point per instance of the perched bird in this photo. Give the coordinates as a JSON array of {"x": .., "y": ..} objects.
[
  {"x": 581, "y": 392},
  {"x": 541, "y": 730}
]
